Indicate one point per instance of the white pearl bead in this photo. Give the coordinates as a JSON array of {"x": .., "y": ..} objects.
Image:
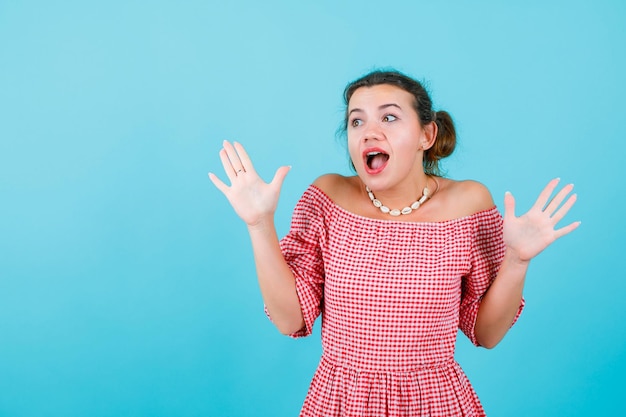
[{"x": 426, "y": 194}]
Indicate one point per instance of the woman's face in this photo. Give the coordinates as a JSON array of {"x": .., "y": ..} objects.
[{"x": 385, "y": 136}]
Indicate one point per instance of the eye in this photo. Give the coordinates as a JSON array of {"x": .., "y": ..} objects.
[
  {"x": 356, "y": 122},
  {"x": 389, "y": 118}
]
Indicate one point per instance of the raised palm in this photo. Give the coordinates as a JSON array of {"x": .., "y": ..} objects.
[
  {"x": 253, "y": 199},
  {"x": 534, "y": 231}
]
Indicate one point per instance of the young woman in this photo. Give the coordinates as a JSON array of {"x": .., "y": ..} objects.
[{"x": 395, "y": 259}]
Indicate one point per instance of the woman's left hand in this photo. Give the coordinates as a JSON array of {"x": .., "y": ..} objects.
[{"x": 526, "y": 236}]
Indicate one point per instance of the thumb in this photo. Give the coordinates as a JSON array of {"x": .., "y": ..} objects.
[
  {"x": 509, "y": 205},
  {"x": 218, "y": 183},
  {"x": 280, "y": 175}
]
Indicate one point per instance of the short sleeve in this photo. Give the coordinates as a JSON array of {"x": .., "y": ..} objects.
[
  {"x": 486, "y": 255},
  {"x": 301, "y": 249}
]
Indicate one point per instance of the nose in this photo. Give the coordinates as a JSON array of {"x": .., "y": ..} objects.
[{"x": 372, "y": 131}]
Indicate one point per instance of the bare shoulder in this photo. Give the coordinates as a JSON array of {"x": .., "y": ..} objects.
[
  {"x": 327, "y": 182},
  {"x": 337, "y": 187},
  {"x": 468, "y": 197},
  {"x": 475, "y": 195}
]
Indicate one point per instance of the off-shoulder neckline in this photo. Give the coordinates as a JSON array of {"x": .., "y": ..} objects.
[{"x": 337, "y": 207}]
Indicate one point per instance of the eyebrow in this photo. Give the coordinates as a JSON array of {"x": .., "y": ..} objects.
[{"x": 381, "y": 107}]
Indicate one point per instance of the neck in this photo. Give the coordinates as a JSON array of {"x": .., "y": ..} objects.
[
  {"x": 406, "y": 192},
  {"x": 403, "y": 207}
]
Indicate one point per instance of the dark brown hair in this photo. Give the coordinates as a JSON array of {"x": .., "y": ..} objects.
[{"x": 446, "y": 135}]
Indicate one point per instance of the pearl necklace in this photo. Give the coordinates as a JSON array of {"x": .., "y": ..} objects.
[{"x": 426, "y": 194}]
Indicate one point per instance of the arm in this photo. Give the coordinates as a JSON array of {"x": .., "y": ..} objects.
[
  {"x": 255, "y": 202},
  {"x": 277, "y": 283},
  {"x": 525, "y": 237},
  {"x": 501, "y": 303}
]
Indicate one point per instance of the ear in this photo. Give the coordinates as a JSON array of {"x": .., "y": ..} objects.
[{"x": 430, "y": 135}]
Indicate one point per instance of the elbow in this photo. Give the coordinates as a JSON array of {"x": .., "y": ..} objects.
[
  {"x": 489, "y": 344},
  {"x": 290, "y": 327},
  {"x": 488, "y": 341},
  {"x": 287, "y": 331},
  {"x": 287, "y": 323},
  {"x": 488, "y": 335}
]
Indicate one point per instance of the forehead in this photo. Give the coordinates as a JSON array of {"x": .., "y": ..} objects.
[{"x": 377, "y": 95}]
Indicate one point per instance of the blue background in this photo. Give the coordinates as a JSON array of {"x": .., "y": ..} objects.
[{"x": 127, "y": 284}]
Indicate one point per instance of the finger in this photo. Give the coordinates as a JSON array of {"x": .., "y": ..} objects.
[
  {"x": 218, "y": 183},
  {"x": 246, "y": 163},
  {"x": 228, "y": 166},
  {"x": 558, "y": 199},
  {"x": 564, "y": 208},
  {"x": 565, "y": 230},
  {"x": 234, "y": 159},
  {"x": 509, "y": 206},
  {"x": 545, "y": 195},
  {"x": 279, "y": 176}
]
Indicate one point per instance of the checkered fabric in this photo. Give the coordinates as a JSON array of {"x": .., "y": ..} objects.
[{"x": 392, "y": 295}]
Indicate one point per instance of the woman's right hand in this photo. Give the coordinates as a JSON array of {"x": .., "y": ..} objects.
[{"x": 253, "y": 199}]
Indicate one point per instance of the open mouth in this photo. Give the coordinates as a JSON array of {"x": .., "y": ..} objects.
[{"x": 376, "y": 160}]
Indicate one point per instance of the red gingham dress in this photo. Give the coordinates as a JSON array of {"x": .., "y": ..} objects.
[{"x": 392, "y": 295}]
